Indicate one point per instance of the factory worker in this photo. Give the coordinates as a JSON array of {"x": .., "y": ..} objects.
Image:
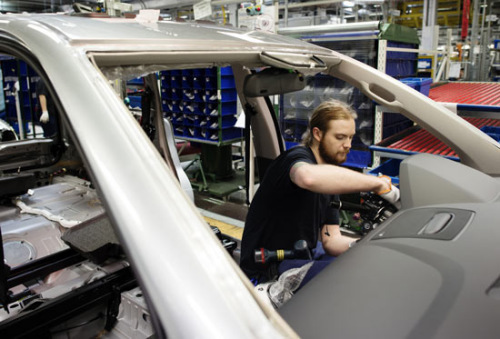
[
  {"x": 48, "y": 110},
  {"x": 293, "y": 200}
]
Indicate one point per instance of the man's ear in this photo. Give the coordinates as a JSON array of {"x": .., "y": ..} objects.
[{"x": 317, "y": 134}]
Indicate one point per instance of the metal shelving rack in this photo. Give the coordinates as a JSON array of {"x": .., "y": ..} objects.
[
  {"x": 201, "y": 104},
  {"x": 21, "y": 101},
  {"x": 478, "y": 103}
]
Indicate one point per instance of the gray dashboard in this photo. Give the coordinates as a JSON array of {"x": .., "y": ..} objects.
[{"x": 430, "y": 271}]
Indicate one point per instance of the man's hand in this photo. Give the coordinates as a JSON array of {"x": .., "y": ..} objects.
[
  {"x": 45, "y": 117},
  {"x": 391, "y": 194}
]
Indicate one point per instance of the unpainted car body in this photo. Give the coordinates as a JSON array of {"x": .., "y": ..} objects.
[{"x": 192, "y": 286}]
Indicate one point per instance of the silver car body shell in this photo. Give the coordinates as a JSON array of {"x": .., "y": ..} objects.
[
  {"x": 194, "y": 287},
  {"x": 192, "y": 284}
]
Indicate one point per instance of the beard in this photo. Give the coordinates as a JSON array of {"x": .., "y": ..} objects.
[{"x": 330, "y": 157}]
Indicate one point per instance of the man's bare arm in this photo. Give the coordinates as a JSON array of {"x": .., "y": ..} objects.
[
  {"x": 333, "y": 241},
  {"x": 331, "y": 179}
]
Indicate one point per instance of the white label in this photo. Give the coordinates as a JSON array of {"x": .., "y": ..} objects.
[
  {"x": 202, "y": 9},
  {"x": 422, "y": 64},
  {"x": 454, "y": 70},
  {"x": 148, "y": 15}
]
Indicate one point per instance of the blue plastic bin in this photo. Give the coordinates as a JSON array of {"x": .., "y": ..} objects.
[
  {"x": 231, "y": 133},
  {"x": 190, "y": 120},
  {"x": 400, "y": 67},
  {"x": 226, "y": 70},
  {"x": 228, "y": 95},
  {"x": 423, "y": 85},
  {"x": 221, "y": 122},
  {"x": 15, "y": 125},
  {"x": 210, "y": 72},
  {"x": 412, "y": 84},
  {"x": 492, "y": 131},
  {"x": 227, "y": 81},
  {"x": 178, "y": 129},
  {"x": 210, "y": 82},
  {"x": 358, "y": 159},
  {"x": 389, "y": 168},
  {"x": 136, "y": 81},
  {"x": 228, "y": 108},
  {"x": 175, "y": 93},
  {"x": 135, "y": 100}
]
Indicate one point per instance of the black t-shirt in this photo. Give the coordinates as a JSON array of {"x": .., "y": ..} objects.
[{"x": 282, "y": 213}]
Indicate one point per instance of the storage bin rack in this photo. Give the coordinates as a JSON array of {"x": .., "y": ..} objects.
[
  {"x": 371, "y": 48},
  {"x": 395, "y": 60},
  {"x": 416, "y": 140},
  {"x": 469, "y": 96},
  {"x": 14, "y": 70},
  {"x": 474, "y": 102},
  {"x": 201, "y": 104},
  {"x": 394, "y": 123},
  {"x": 477, "y": 103}
]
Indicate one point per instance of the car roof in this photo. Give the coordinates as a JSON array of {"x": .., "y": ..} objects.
[{"x": 160, "y": 35}]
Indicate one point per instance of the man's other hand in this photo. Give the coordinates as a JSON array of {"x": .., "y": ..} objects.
[
  {"x": 45, "y": 117},
  {"x": 391, "y": 194}
]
